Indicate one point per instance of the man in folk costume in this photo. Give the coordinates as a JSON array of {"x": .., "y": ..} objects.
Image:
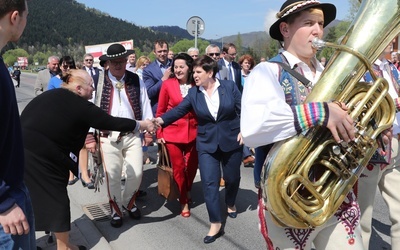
[
  {"x": 379, "y": 174},
  {"x": 273, "y": 109},
  {"x": 121, "y": 93}
]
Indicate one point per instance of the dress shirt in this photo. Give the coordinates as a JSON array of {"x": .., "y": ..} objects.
[
  {"x": 213, "y": 100},
  {"x": 228, "y": 65},
  {"x": 163, "y": 67},
  {"x": 265, "y": 116},
  {"x": 130, "y": 67}
]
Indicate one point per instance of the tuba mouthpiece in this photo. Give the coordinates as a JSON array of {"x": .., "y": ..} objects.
[{"x": 318, "y": 43}]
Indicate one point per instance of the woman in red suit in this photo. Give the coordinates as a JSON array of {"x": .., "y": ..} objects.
[{"x": 180, "y": 136}]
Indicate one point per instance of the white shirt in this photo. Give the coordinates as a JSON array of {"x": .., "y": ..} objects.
[
  {"x": 121, "y": 106},
  {"x": 384, "y": 66},
  {"x": 213, "y": 101},
  {"x": 265, "y": 115}
]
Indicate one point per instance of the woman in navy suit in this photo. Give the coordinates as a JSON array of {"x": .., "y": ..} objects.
[{"x": 219, "y": 142}]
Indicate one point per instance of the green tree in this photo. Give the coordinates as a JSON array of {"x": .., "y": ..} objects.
[
  {"x": 184, "y": 44},
  {"x": 11, "y": 56}
]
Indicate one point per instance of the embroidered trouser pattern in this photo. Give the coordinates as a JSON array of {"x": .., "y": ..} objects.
[{"x": 342, "y": 231}]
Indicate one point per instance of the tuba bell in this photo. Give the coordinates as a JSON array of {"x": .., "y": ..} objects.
[{"x": 307, "y": 177}]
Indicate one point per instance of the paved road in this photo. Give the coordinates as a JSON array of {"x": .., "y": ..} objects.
[{"x": 161, "y": 226}]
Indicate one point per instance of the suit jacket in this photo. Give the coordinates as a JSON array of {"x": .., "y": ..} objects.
[
  {"x": 212, "y": 134},
  {"x": 42, "y": 80},
  {"x": 183, "y": 130},
  {"x": 152, "y": 75},
  {"x": 236, "y": 71},
  {"x": 95, "y": 77}
]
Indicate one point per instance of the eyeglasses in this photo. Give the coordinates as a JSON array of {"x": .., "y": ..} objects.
[
  {"x": 214, "y": 54},
  {"x": 66, "y": 66},
  {"x": 116, "y": 63},
  {"x": 88, "y": 60}
]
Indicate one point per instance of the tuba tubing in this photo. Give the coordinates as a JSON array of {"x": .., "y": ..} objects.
[{"x": 307, "y": 177}]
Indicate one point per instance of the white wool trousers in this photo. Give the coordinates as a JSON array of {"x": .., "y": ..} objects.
[
  {"x": 128, "y": 154},
  {"x": 387, "y": 180}
]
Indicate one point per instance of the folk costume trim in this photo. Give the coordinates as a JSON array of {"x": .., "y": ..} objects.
[
  {"x": 132, "y": 89},
  {"x": 309, "y": 115}
]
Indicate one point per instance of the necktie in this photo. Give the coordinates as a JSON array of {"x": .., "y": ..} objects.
[
  {"x": 91, "y": 72},
  {"x": 230, "y": 72}
]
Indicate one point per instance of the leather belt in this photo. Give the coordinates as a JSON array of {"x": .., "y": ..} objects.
[{"x": 107, "y": 133}]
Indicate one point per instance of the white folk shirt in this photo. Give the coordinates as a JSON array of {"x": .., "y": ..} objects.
[
  {"x": 384, "y": 67},
  {"x": 265, "y": 115},
  {"x": 123, "y": 108}
]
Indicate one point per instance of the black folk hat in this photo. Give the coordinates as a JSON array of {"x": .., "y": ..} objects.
[
  {"x": 294, "y": 6},
  {"x": 116, "y": 51}
]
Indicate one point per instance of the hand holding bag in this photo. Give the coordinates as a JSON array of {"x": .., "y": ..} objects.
[{"x": 166, "y": 183}]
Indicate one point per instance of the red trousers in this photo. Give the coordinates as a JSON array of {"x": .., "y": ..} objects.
[{"x": 184, "y": 161}]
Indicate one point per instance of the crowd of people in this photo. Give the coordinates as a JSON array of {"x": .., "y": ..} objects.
[{"x": 212, "y": 113}]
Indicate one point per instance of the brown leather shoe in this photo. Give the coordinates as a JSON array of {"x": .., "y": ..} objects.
[{"x": 249, "y": 161}]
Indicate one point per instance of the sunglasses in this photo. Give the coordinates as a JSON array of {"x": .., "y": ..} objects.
[
  {"x": 214, "y": 54},
  {"x": 88, "y": 60}
]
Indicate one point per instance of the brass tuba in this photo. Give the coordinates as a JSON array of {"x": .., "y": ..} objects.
[{"x": 307, "y": 177}]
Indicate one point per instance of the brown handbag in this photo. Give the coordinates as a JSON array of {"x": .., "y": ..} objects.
[{"x": 166, "y": 184}]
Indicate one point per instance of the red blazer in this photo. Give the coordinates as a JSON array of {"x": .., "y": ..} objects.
[{"x": 184, "y": 130}]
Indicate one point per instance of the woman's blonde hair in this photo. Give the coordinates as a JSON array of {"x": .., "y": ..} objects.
[
  {"x": 141, "y": 61},
  {"x": 74, "y": 78}
]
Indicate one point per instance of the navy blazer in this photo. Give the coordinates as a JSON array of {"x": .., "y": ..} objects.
[
  {"x": 152, "y": 75},
  {"x": 212, "y": 133},
  {"x": 237, "y": 71}
]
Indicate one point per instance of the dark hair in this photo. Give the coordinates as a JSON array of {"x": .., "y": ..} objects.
[
  {"x": 7, "y": 6},
  {"x": 67, "y": 60},
  {"x": 189, "y": 62},
  {"x": 160, "y": 43},
  {"x": 248, "y": 58},
  {"x": 226, "y": 47},
  {"x": 207, "y": 64}
]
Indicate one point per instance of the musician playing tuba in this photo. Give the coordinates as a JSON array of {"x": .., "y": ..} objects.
[
  {"x": 377, "y": 173},
  {"x": 273, "y": 109}
]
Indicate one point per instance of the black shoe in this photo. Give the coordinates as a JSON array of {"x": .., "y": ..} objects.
[
  {"x": 232, "y": 215},
  {"x": 210, "y": 239},
  {"x": 72, "y": 182},
  {"x": 141, "y": 193},
  {"x": 116, "y": 220},
  {"x": 89, "y": 185},
  {"x": 135, "y": 213}
]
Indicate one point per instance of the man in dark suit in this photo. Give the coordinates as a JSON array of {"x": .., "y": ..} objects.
[
  {"x": 157, "y": 72},
  {"x": 94, "y": 72},
  {"x": 228, "y": 61},
  {"x": 234, "y": 74}
]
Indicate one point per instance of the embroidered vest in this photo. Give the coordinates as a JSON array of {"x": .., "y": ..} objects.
[
  {"x": 394, "y": 75},
  {"x": 132, "y": 89},
  {"x": 295, "y": 91}
]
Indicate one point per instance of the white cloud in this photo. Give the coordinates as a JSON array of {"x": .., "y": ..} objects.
[{"x": 269, "y": 19}]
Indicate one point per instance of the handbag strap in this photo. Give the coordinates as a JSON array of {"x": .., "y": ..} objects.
[
  {"x": 163, "y": 156},
  {"x": 294, "y": 73}
]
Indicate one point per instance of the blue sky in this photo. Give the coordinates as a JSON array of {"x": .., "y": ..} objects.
[{"x": 221, "y": 18}]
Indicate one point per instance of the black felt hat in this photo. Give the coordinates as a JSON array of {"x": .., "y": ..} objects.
[
  {"x": 293, "y": 6},
  {"x": 116, "y": 51}
]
